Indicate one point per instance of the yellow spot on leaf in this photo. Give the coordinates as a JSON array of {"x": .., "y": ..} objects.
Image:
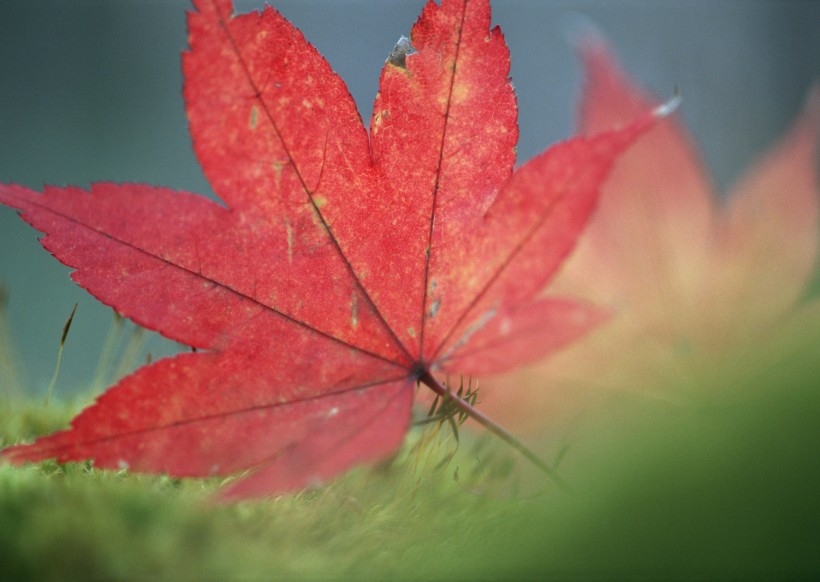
[
  {"x": 320, "y": 201},
  {"x": 354, "y": 311},
  {"x": 460, "y": 92},
  {"x": 277, "y": 178}
]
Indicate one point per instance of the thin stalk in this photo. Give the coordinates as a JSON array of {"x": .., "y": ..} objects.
[
  {"x": 53, "y": 382},
  {"x": 428, "y": 380}
]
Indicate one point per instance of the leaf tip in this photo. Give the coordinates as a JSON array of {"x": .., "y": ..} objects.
[
  {"x": 581, "y": 32},
  {"x": 812, "y": 102},
  {"x": 669, "y": 107}
]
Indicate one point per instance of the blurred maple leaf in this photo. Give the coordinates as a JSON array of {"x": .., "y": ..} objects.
[{"x": 693, "y": 283}]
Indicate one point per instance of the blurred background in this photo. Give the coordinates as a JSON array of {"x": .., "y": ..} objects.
[{"x": 92, "y": 92}]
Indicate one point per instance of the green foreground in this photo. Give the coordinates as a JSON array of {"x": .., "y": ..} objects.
[{"x": 726, "y": 487}]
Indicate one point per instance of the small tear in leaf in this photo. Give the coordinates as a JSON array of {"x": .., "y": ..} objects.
[{"x": 398, "y": 56}]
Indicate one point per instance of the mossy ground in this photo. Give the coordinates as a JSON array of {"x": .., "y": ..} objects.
[{"x": 727, "y": 487}]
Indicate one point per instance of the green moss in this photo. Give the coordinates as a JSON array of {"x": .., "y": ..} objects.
[
  {"x": 724, "y": 488},
  {"x": 71, "y": 521}
]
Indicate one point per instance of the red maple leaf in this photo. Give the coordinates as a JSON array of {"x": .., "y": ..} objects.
[{"x": 342, "y": 270}]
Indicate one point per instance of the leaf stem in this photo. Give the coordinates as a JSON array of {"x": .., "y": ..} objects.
[{"x": 428, "y": 380}]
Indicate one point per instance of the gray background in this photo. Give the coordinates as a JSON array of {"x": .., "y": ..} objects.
[{"x": 91, "y": 91}]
